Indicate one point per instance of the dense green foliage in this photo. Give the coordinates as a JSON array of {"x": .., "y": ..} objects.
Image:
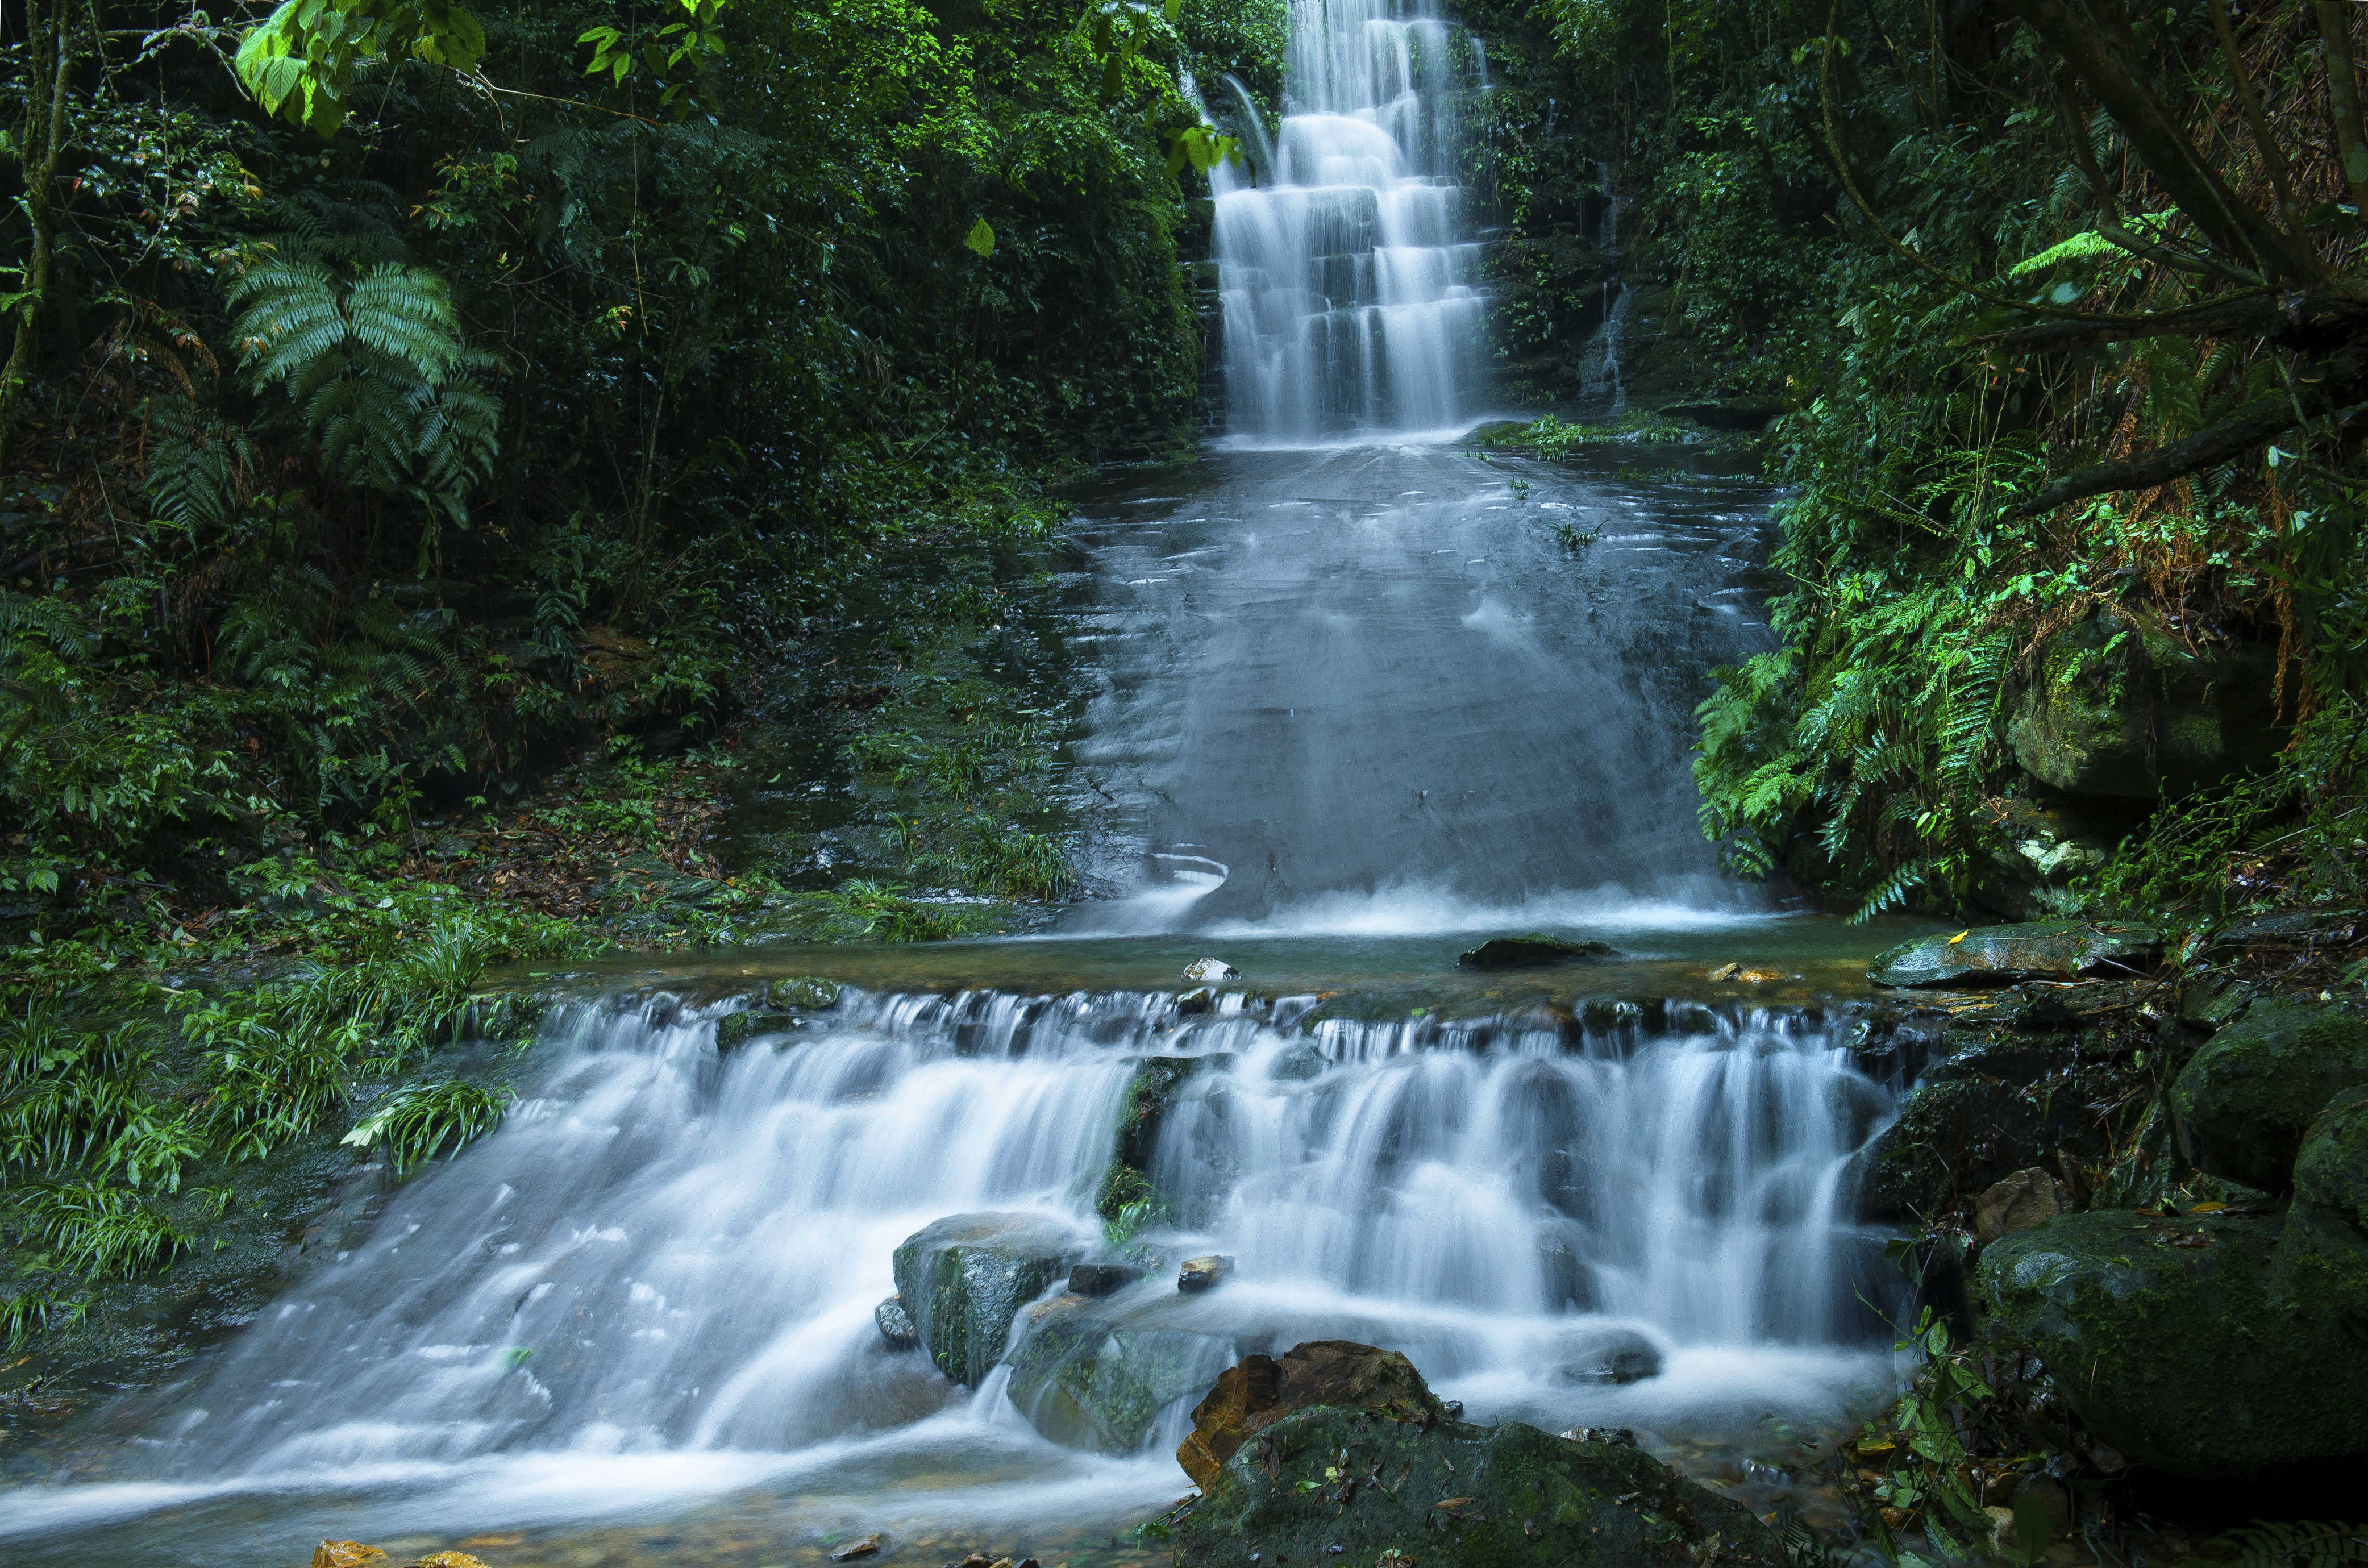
[
  {"x": 490, "y": 388},
  {"x": 2002, "y": 313}
]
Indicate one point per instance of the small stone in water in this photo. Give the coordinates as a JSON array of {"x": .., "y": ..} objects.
[
  {"x": 1101, "y": 1279},
  {"x": 981, "y": 1560},
  {"x": 896, "y": 1324},
  {"x": 1724, "y": 972},
  {"x": 346, "y": 1554},
  {"x": 1211, "y": 968},
  {"x": 855, "y": 1549},
  {"x": 1200, "y": 1273}
]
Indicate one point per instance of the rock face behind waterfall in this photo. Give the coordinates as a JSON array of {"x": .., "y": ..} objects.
[
  {"x": 965, "y": 1277},
  {"x": 1392, "y": 1478}
]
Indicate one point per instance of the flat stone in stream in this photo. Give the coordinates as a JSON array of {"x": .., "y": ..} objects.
[
  {"x": 2003, "y": 954},
  {"x": 1387, "y": 1477},
  {"x": 1534, "y": 950}
]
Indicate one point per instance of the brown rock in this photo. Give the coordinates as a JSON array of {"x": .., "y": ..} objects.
[
  {"x": 1262, "y": 1390},
  {"x": 2019, "y": 1202},
  {"x": 855, "y": 1549},
  {"x": 347, "y": 1554},
  {"x": 449, "y": 1559},
  {"x": 1200, "y": 1273}
]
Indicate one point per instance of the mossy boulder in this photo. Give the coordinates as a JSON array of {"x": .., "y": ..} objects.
[
  {"x": 735, "y": 1029},
  {"x": 1329, "y": 1484},
  {"x": 1262, "y": 1390},
  {"x": 2003, "y": 954},
  {"x": 1534, "y": 950},
  {"x": 964, "y": 1279},
  {"x": 2215, "y": 1347},
  {"x": 2331, "y": 1174},
  {"x": 2242, "y": 1102},
  {"x": 2119, "y": 705},
  {"x": 808, "y": 993}
]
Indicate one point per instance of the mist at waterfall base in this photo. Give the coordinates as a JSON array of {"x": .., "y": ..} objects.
[
  {"x": 1380, "y": 691},
  {"x": 656, "y": 1283}
]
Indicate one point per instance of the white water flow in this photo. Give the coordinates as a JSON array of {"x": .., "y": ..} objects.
[
  {"x": 1346, "y": 271},
  {"x": 658, "y": 1277}
]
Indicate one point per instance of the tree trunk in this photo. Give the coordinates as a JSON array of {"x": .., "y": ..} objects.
[{"x": 45, "y": 141}]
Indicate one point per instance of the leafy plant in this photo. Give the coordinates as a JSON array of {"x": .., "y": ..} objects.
[
  {"x": 421, "y": 1122},
  {"x": 386, "y": 390}
]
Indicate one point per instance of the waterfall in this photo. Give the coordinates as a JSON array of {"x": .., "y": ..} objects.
[
  {"x": 1346, "y": 272},
  {"x": 666, "y": 1249}
]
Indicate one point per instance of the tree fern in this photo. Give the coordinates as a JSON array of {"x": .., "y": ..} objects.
[{"x": 385, "y": 387}]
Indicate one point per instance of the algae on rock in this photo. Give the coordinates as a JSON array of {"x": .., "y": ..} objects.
[
  {"x": 2243, "y": 1102},
  {"x": 964, "y": 1279},
  {"x": 2208, "y": 1346}
]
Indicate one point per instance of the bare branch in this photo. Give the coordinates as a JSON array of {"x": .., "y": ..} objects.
[{"x": 2250, "y": 426}]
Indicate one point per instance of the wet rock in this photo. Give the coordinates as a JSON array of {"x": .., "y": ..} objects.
[
  {"x": 347, "y": 1554},
  {"x": 2331, "y": 1173},
  {"x": 2286, "y": 931},
  {"x": 2119, "y": 705},
  {"x": 964, "y": 1279},
  {"x": 2214, "y": 1000},
  {"x": 1375, "y": 1486},
  {"x": 1099, "y": 1375},
  {"x": 2017, "y": 1202},
  {"x": 2242, "y": 1102},
  {"x": 808, "y": 993},
  {"x": 2023, "y": 868},
  {"x": 896, "y": 1324},
  {"x": 1263, "y": 1390},
  {"x": 448, "y": 1560},
  {"x": 1201, "y": 970},
  {"x": 1534, "y": 950},
  {"x": 2002, "y": 955},
  {"x": 1298, "y": 1065},
  {"x": 2218, "y": 1347},
  {"x": 1193, "y": 1003},
  {"x": 866, "y": 1546},
  {"x": 1101, "y": 1279},
  {"x": 1202, "y": 1273},
  {"x": 1601, "y": 1015},
  {"x": 1957, "y": 1138},
  {"x": 1150, "y": 1094},
  {"x": 736, "y": 1029},
  {"x": 1609, "y": 1356}
]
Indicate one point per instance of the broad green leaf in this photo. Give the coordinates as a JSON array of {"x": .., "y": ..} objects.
[{"x": 981, "y": 237}]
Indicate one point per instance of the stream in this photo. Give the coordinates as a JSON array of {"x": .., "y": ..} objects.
[{"x": 1364, "y": 698}]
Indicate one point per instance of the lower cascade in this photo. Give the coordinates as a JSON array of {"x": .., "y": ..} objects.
[{"x": 671, "y": 1248}]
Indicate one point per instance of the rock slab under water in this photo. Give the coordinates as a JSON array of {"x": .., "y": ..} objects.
[
  {"x": 964, "y": 1279},
  {"x": 1096, "y": 1374},
  {"x": 1534, "y": 950},
  {"x": 2003, "y": 955},
  {"x": 1397, "y": 1482}
]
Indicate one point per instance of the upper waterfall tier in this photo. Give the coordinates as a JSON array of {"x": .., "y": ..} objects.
[{"x": 1346, "y": 273}]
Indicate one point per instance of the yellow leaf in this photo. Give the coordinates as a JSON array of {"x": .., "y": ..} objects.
[
  {"x": 2207, "y": 1208},
  {"x": 1960, "y": 936}
]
